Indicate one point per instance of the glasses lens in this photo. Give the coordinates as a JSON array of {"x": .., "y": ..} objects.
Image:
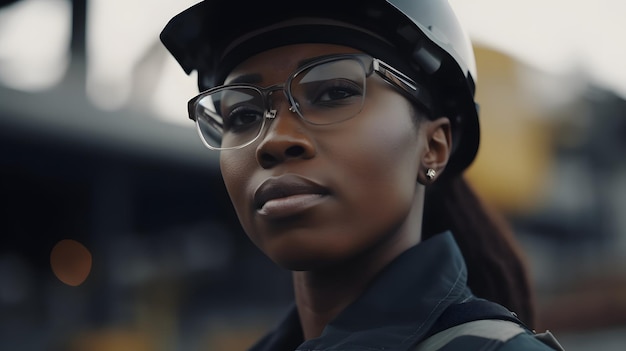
[
  {"x": 330, "y": 92},
  {"x": 230, "y": 117}
]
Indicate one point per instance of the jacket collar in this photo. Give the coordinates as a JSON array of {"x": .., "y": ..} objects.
[{"x": 396, "y": 311}]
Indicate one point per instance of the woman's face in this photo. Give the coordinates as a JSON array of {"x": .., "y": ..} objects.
[{"x": 312, "y": 196}]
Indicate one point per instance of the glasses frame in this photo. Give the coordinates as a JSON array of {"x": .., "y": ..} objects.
[{"x": 400, "y": 81}]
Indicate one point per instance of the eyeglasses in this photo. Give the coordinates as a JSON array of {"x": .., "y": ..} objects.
[{"x": 325, "y": 91}]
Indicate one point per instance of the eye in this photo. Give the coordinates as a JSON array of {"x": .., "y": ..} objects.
[
  {"x": 242, "y": 118},
  {"x": 337, "y": 92}
]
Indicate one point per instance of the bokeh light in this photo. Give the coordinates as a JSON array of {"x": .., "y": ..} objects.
[{"x": 70, "y": 262}]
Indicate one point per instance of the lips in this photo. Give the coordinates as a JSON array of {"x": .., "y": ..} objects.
[{"x": 287, "y": 194}]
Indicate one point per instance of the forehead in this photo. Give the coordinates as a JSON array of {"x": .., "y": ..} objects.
[{"x": 279, "y": 63}]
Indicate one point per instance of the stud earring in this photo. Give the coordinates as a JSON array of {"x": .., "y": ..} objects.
[{"x": 430, "y": 173}]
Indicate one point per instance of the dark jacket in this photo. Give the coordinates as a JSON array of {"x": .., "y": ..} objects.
[{"x": 400, "y": 309}]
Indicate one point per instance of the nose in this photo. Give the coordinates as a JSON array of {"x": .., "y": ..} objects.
[{"x": 286, "y": 138}]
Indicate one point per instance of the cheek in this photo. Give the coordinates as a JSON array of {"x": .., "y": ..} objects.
[
  {"x": 232, "y": 169},
  {"x": 383, "y": 143},
  {"x": 235, "y": 172},
  {"x": 386, "y": 175},
  {"x": 238, "y": 170},
  {"x": 378, "y": 161}
]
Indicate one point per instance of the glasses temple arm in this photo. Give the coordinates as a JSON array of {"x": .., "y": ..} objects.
[{"x": 403, "y": 83}]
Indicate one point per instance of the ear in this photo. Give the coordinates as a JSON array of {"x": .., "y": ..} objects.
[{"x": 436, "y": 152}]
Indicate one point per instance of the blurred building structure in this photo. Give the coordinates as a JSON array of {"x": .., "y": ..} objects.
[
  {"x": 552, "y": 160},
  {"x": 172, "y": 270}
]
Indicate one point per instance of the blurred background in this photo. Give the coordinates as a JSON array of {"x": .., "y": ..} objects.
[{"x": 116, "y": 231}]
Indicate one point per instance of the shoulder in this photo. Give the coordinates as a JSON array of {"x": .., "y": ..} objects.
[
  {"x": 494, "y": 335},
  {"x": 531, "y": 342}
]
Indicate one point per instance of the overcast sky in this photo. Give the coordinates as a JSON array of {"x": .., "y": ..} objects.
[{"x": 555, "y": 35}]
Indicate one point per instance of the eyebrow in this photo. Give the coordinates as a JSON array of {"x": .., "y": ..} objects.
[
  {"x": 306, "y": 61},
  {"x": 247, "y": 78},
  {"x": 255, "y": 78}
]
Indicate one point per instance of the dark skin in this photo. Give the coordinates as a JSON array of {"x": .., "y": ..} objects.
[{"x": 364, "y": 182}]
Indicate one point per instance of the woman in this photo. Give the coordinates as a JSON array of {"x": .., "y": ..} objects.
[{"x": 343, "y": 129}]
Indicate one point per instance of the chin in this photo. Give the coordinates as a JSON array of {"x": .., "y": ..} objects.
[
  {"x": 301, "y": 261},
  {"x": 305, "y": 257}
]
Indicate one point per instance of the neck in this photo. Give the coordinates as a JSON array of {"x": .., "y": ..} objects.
[
  {"x": 324, "y": 293},
  {"x": 321, "y": 295}
]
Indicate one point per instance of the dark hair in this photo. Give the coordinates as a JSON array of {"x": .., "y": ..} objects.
[{"x": 496, "y": 269}]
